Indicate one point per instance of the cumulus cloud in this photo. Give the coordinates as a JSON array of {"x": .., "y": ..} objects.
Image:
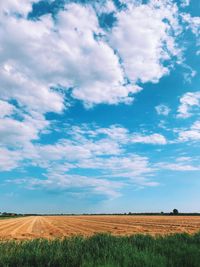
[
  {"x": 94, "y": 63},
  {"x": 143, "y": 41},
  {"x": 188, "y": 101},
  {"x": 72, "y": 151},
  {"x": 67, "y": 54},
  {"x": 18, "y": 76},
  {"x": 18, "y": 133},
  {"x": 192, "y": 134},
  {"x": 11, "y": 7}
]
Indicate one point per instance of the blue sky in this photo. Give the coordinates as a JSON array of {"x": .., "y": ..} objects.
[{"x": 99, "y": 106}]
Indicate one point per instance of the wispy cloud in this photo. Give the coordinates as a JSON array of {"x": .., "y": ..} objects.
[
  {"x": 101, "y": 151},
  {"x": 156, "y": 139},
  {"x": 162, "y": 110}
]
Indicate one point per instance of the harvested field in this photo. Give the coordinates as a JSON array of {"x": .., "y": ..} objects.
[{"x": 62, "y": 226}]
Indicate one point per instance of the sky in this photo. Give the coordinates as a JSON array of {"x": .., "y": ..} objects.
[{"x": 99, "y": 106}]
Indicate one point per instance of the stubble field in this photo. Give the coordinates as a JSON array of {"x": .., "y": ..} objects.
[{"x": 65, "y": 226}]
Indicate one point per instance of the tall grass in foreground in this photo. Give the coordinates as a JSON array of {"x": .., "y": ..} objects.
[{"x": 179, "y": 250}]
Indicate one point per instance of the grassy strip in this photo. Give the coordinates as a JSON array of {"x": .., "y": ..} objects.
[{"x": 179, "y": 250}]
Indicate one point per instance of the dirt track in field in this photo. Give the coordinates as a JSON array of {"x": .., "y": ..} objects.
[{"x": 61, "y": 226}]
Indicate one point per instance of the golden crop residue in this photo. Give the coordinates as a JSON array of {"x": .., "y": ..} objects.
[{"x": 63, "y": 226}]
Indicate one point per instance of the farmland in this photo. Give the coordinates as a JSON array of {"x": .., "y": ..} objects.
[
  {"x": 100, "y": 241},
  {"x": 65, "y": 226}
]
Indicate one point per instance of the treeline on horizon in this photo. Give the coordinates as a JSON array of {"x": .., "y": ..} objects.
[{"x": 12, "y": 214}]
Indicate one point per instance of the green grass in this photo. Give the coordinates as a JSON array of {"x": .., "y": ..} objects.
[{"x": 179, "y": 250}]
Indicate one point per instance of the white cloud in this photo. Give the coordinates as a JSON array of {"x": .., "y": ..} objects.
[
  {"x": 178, "y": 167},
  {"x": 188, "y": 75},
  {"x": 6, "y": 109},
  {"x": 110, "y": 176},
  {"x": 67, "y": 54},
  {"x": 119, "y": 134},
  {"x": 103, "y": 81},
  {"x": 131, "y": 169},
  {"x": 105, "y": 6},
  {"x": 155, "y": 139},
  {"x": 100, "y": 151},
  {"x": 9, "y": 159},
  {"x": 143, "y": 40},
  {"x": 129, "y": 166},
  {"x": 18, "y": 76},
  {"x": 18, "y": 133},
  {"x": 193, "y": 23},
  {"x": 162, "y": 110},
  {"x": 188, "y": 102},
  {"x": 185, "y": 3},
  {"x": 71, "y": 151},
  {"x": 192, "y": 134},
  {"x": 114, "y": 132},
  {"x": 10, "y": 7},
  {"x": 183, "y": 159},
  {"x": 83, "y": 143},
  {"x": 196, "y": 126},
  {"x": 66, "y": 182},
  {"x": 45, "y": 53}
]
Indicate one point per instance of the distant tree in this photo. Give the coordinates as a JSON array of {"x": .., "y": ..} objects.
[
  {"x": 162, "y": 213},
  {"x": 175, "y": 211}
]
